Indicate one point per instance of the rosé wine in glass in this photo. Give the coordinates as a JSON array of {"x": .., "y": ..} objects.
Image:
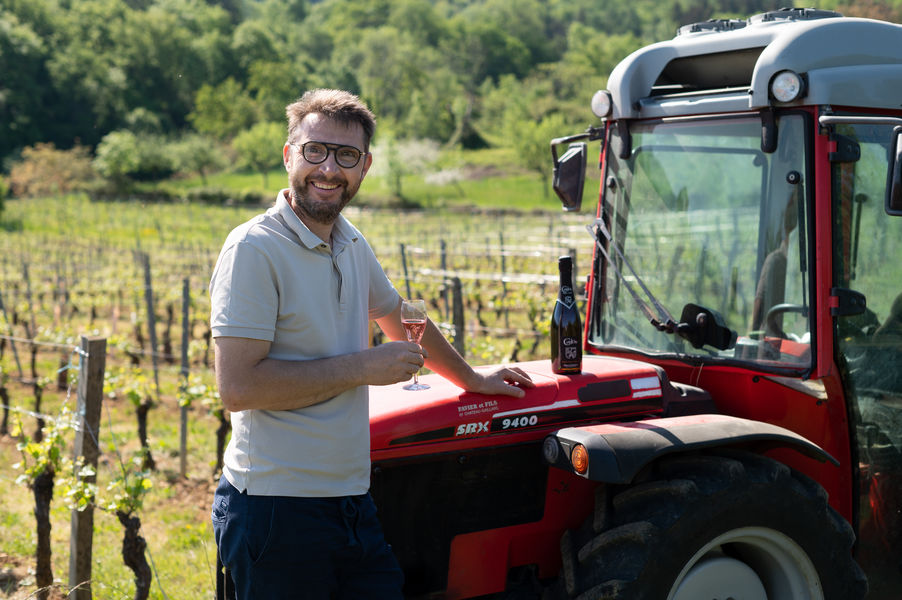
[{"x": 413, "y": 318}]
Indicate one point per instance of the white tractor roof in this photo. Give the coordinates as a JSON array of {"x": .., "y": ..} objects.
[{"x": 846, "y": 62}]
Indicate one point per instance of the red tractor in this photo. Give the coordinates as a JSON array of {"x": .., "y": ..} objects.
[{"x": 749, "y": 447}]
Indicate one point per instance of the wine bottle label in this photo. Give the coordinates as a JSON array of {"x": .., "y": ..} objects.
[
  {"x": 566, "y": 296},
  {"x": 570, "y": 347}
]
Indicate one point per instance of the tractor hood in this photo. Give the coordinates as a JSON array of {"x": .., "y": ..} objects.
[{"x": 402, "y": 421}]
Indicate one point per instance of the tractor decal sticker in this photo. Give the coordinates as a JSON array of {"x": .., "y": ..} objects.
[
  {"x": 524, "y": 421},
  {"x": 473, "y": 428},
  {"x": 534, "y": 409},
  {"x": 563, "y": 411},
  {"x": 476, "y": 408},
  {"x": 571, "y": 410},
  {"x": 645, "y": 387}
]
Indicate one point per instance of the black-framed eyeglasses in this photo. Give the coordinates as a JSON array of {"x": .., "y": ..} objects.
[{"x": 317, "y": 152}]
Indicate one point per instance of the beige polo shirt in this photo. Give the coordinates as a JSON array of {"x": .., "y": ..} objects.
[{"x": 275, "y": 280}]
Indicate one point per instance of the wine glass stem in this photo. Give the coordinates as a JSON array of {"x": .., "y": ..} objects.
[{"x": 415, "y": 373}]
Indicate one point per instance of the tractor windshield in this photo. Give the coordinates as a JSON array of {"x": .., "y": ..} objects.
[{"x": 705, "y": 217}]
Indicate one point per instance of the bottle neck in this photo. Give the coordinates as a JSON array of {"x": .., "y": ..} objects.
[{"x": 565, "y": 293}]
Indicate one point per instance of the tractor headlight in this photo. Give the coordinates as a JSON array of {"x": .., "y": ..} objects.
[
  {"x": 787, "y": 86},
  {"x": 601, "y": 104},
  {"x": 551, "y": 450}
]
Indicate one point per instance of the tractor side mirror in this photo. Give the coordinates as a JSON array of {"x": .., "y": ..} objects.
[
  {"x": 569, "y": 174},
  {"x": 702, "y": 326},
  {"x": 894, "y": 176}
]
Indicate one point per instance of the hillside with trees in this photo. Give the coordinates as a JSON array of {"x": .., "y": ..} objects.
[{"x": 148, "y": 88}]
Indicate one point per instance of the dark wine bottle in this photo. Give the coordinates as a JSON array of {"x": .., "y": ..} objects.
[{"x": 566, "y": 331}]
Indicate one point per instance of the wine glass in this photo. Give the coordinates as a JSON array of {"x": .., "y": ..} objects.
[{"x": 413, "y": 318}]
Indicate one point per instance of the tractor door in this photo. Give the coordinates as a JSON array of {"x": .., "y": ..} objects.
[{"x": 868, "y": 260}]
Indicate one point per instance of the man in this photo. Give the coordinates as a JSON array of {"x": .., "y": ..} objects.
[{"x": 292, "y": 295}]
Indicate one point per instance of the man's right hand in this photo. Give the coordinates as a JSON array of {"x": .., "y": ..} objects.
[{"x": 392, "y": 362}]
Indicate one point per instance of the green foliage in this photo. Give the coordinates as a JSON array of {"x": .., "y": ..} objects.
[
  {"x": 126, "y": 491},
  {"x": 196, "y": 390},
  {"x": 223, "y": 110},
  {"x": 124, "y": 156},
  {"x": 531, "y": 143},
  {"x": 260, "y": 147},
  {"x": 133, "y": 384},
  {"x": 22, "y": 58},
  {"x": 274, "y": 84},
  {"x": 117, "y": 156},
  {"x": 198, "y": 154},
  {"x": 50, "y": 455},
  {"x": 76, "y": 71},
  {"x": 4, "y": 192}
]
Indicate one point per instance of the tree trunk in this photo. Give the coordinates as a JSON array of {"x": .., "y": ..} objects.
[
  {"x": 62, "y": 375},
  {"x": 34, "y": 362},
  {"x": 133, "y": 546},
  {"x": 38, "y": 395},
  {"x": 4, "y": 400},
  {"x": 167, "y": 335},
  {"x": 42, "y": 487},
  {"x": 141, "y": 411}
]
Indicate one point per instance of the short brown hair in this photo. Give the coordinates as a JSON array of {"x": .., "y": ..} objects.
[{"x": 339, "y": 105}]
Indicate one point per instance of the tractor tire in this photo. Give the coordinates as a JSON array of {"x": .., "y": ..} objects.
[{"x": 714, "y": 526}]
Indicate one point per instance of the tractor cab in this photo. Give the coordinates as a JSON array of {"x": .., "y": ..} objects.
[{"x": 748, "y": 234}]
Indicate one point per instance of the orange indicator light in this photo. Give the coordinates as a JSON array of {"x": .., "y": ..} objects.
[{"x": 579, "y": 458}]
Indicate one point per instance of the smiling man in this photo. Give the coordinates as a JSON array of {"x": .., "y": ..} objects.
[{"x": 292, "y": 295}]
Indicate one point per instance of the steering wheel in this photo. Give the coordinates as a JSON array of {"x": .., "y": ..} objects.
[{"x": 770, "y": 318}]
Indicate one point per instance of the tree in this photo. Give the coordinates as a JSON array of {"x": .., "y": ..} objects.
[
  {"x": 88, "y": 67},
  {"x": 4, "y": 192},
  {"x": 276, "y": 84},
  {"x": 168, "y": 52},
  {"x": 198, "y": 154},
  {"x": 478, "y": 50},
  {"x": 44, "y": 169},
  {"x": 260, "y": 147},
  {"x": 122, "y": 157},
  {"x": 223, "y": 110},
  {"x": 401, "y": 158},
  {"x": 254, "y": 42},
  {"x": 22, "y": 87},
  {"x": 532, "y": 144}
]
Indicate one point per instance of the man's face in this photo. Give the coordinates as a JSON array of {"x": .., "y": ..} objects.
[{"x": 320, "y": 191}]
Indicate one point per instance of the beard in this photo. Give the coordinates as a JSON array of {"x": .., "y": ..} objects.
[{"x": 325, "y": 212}]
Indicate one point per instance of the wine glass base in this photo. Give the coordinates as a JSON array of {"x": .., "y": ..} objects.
[{"x": 415, "y": 386}]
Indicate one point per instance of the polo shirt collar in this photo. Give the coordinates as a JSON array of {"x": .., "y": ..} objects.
[{"x": 342, "y": 231}]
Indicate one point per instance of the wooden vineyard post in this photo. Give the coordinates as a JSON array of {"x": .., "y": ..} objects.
[
  {"x": 458, "y": 320},
  {"x": 151, "y": 321},
  {"x": 90, "y": 398},
  {"x": 444, "y": 267},
  {"x": 507, "y": 323},
  {"x": 12, "y": 342},
  {"x": 183, "y": 409},
  {"x": 406, "y": 274}
]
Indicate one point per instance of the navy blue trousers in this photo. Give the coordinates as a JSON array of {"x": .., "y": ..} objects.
[{"x": 305, "y": 548}]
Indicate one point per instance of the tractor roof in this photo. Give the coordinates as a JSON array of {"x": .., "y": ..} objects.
[{"x": 728, "y": 65}]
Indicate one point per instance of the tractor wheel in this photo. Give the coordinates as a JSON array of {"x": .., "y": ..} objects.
[{"x": 713, "y": 526}]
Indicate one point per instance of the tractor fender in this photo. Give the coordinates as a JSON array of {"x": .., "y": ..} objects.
[{"x": 618, "y": 451}]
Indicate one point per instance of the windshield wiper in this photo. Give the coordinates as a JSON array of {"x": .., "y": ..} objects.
[{"x": 698, "y": 325}]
